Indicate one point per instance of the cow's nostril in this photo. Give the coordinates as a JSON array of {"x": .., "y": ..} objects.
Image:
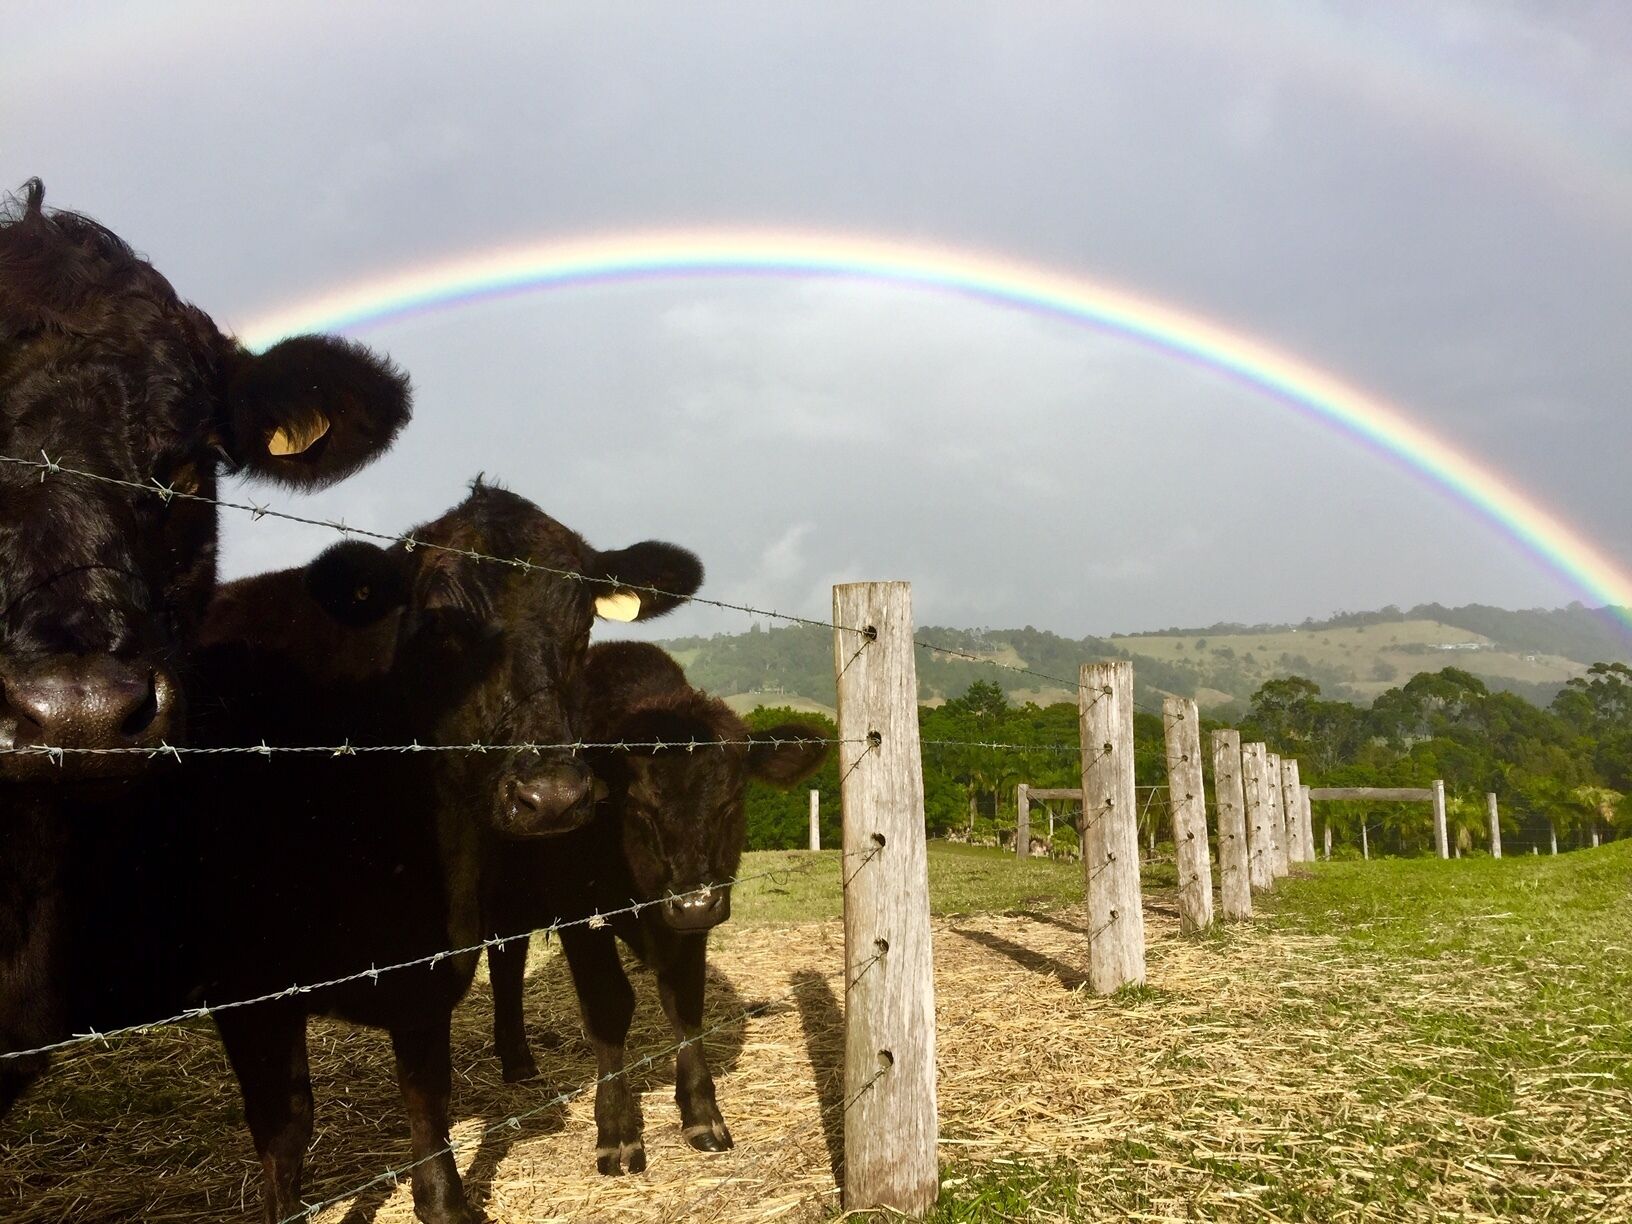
[{"x": 144, "y": 714}]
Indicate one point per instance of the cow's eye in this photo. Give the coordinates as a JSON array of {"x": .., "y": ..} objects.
[
  {"x": 361, "y": 593},
  {"x": 180, "y": 477}
]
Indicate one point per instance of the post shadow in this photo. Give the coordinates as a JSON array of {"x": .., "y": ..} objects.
[
  {"x": 1037, "y": 962},
  {"x": 823, "y": 1025}
]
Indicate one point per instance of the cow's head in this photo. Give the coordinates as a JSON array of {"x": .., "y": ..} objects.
[
  {"x": 103, "y": 369},
  {"x": 683, "y": 818},
  {"x": 539, "y": 622}
]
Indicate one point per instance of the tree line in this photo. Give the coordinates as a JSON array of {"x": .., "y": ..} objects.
[{"x": 1563, "y": 770}]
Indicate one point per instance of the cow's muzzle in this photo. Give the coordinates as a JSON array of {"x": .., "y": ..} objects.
[
  {"x": 89, "y": 705},
  {"x": 697, "y": 910}
]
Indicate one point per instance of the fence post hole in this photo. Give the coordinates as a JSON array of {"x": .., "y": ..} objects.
[
  {"x": 1442, "y": 841},
  {"x": 1495, "y": 825},
  {"x": 1256, "y": 795},
  {"x": 1181, "y": 731},
  {"x": 1110, "y": 822},
  {"x": 1234, "y": 870},
  {"x": 1292, "y": 801},
  {"x": 890, "y": 1120},
  {"x": 1277, "y": 815},
  {"x": 1022, "y": 821},
  {"x": 1308, "y": 826},
  {"x": 1365, "y": 845},
  {"x": 815, "y": 819}
]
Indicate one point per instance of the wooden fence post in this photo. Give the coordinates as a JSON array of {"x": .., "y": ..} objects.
[
  {"x": 1292, "y": 801},
  {"x": 815, "y": 819},
  {"x": 1552, "y": 834},
  {"x": 1234, "y": 869},
  {"x": 1181, "y": 731},
  {"x": 1110, "y": 822},
  {"x": 1260, "y": 855},
  {"x": 1278, "y": 865},
  {"x": 1365, "y": 845},
  {"x": 1308, "y": 826},
  {"x": 890, "y": 1122},
  {"x": 1495, "y": 825},
  {"x": 1022, "y": 821},
  {"x": 1442, "y": 840}
]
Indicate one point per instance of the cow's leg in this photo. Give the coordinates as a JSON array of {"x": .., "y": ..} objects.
[
  {"x": 267, "y": 1048},
  {"x": 507, "y": 968},
  {"x": 607, "y": 1002},
  {"x": 425, "y": 1076},
  {"x": 681, "y": 971}
]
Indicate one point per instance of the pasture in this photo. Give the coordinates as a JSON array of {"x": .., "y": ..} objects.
[{"x": 1385, "y": 1040}]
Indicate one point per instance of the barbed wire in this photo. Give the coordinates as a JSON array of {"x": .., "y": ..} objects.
[
  {"x": 48, "y": 466},
  {"x": 393, "y": 1176},
  {"x": 52, "y": 467},
  {"x": 204, "y": 1011},
  {"x": 178, "y": 751}
]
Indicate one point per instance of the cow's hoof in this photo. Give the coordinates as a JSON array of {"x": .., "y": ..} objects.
[
  {"x": 461, "y": 1213},
  {"x": 627, "y": 1157},
  {"x": 710, "y": 1137},
  {"x": 518, "y": 1069}
]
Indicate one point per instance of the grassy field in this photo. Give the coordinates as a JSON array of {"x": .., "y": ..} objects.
[
  {"x": 1372, "y": 658},
  {"x": 1472, "y": 1036},
  {"x": 1393, "y": 1040}
]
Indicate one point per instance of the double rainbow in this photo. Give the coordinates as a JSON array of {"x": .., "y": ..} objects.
[{"x": 668, "y": 254}]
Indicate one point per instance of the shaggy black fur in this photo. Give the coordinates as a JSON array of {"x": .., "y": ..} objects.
[
  {"x": 103, "y": 589},
  {"x": 672, "y": 822}
]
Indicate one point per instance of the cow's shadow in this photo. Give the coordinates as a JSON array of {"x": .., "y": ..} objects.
[{"x": 566, "y": 1064}]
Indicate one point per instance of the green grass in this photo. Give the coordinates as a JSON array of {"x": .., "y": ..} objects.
[
  {"x": 962, "y": 880},
  {"x": 1467, "y": 1038}
]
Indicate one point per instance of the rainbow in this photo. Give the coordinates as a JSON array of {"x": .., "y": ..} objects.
[{"x": 1363, "y": 417}]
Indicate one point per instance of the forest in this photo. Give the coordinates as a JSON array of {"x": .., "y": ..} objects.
[{"x": 1562, "y": 770}]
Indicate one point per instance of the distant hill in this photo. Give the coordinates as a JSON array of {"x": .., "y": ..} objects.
[{"x": 1352, "y": 656}]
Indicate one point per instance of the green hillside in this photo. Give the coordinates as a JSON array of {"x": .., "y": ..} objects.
[{"x": 1353, "y": 656}]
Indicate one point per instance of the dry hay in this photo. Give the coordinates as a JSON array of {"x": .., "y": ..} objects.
[{"x": 1256, "y": 1061}]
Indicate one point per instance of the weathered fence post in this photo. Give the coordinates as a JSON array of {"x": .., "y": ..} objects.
[
  {"x": 1309, "y": 826},
  {"x": 1277, "y": 818},
  {"x": 1181, "y": 731},
  {"x": 1292, "y": 801},
  {"x": 1442, "y": 839},
  {"x": 1365, "y": 845},
  {"x": 890, "y": 1123},
  {"x": 1552, "y": 834},
  {"x": 1495, "y": 825},
  {"x": 1110, "y": 822},
  {"x": 1022, "y": 821},
  {"x": 815, "y": 819},
  {"x": 1256, "y": 790},
  {"x": 1234, "y": 868}
]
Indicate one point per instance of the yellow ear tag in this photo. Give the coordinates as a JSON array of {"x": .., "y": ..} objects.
[
  {"x": 624, "y": 606},
  {"x": 298, "y": 438}
]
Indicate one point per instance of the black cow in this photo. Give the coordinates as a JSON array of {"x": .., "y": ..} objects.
[
  {"x": 103, "y": 586},
  {"x": 319, "y": 866},
  {"x": 671, "y": 826}
]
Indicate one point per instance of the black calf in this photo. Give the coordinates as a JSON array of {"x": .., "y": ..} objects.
[
  {"x": 327, "y": 866},
  {"x": 671, "y": 826}
]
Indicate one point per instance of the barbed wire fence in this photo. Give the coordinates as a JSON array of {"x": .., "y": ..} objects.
[{"x": 889, "y": 1093}]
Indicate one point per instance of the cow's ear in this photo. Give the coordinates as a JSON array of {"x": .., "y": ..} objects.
[
  {"x": 358, "y": 583},
  {"x": 311, "y": 410},
  {"x": 785, "y": 754},
  {"x": 643, "y": 580}
]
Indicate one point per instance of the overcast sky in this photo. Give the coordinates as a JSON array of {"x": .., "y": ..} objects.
[{"x": 1433, "y": 202}]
